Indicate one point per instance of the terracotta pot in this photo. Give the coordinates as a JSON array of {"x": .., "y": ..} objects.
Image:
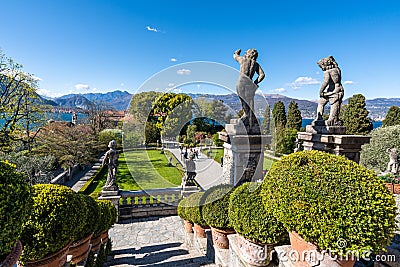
[
  {"x": 256, "y": 254},
  {"x": 220, "y": 237},
  {"x": 56, "y": 259},
  {"x": 104, "y": 237},
  {"x": 188, "y": 226},
  {"x": 393, "y": 188},
  {"x": 96, "y": 242},
  {"x": 13, "y": 257},
  {"x": 305, "y": 248},
  {"x": 200, "y": 231},
  {"x": 80, "y": 249}
]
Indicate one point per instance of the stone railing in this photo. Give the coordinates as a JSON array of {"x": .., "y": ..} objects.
[{"x": 144, "y": 203}]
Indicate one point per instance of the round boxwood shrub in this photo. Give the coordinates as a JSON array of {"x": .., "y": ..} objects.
[
  {"x": 55, "y": 221},
  {"x": 327, "y": 198},
  {"x": 215, "y": 207},
  {"x": 182, "y": 206},
  {"x": 108, "y": 215},
  {"x": 92, "y": 215},
  {"x": 15, "y": 205},
  {"x": 251, "y": 218},
  {"x": 194, "y": 208}
]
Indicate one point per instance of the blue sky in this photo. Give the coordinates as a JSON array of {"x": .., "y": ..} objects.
[{"x": 98, "y": 46}]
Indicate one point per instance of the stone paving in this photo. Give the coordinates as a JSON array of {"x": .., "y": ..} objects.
[{"x": 153, "y": 241}]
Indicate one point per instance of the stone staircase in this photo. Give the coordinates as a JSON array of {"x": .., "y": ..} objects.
[{"x": 153, "y": 241}]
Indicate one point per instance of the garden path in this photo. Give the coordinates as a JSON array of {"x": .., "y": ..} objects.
[
  {"x": 153, "y": 241},
  {"x": 209, "y": 172}
]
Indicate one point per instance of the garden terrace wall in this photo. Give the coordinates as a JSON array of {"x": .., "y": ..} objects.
[{"x": 152, "y": 202}]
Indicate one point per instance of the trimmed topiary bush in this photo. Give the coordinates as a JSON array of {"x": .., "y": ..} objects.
[
  {"x": 92, "y": 215},
  {"x": 215, "y": 208},
  {"x": 15, "y": 205},
  {"x": 374, "y": 155},
  {"x": 194, "y": 207},
  {"x": 55, "y": 221},
  {"x": 108, "y": 216},
  {"x": 251, "y": 218},
  {"x": 327, "y": 198},
  {"x": 182, "y": 206}
]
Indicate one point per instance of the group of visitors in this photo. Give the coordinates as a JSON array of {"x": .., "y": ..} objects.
[{"x": 186, "y": 153}]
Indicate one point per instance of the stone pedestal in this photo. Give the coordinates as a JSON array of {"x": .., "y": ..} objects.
[
  {"x": 332, "y": 139},
  {"x": 243, "y": 154}
]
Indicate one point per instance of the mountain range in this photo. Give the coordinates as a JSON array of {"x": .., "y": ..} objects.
[{"x": 119, "y": 100}]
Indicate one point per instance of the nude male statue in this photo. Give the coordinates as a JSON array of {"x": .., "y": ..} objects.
[
  {"x": 331, "y": 91},
  {"x": 246, "y": 88},
  {"x": 111, "y": 158}
]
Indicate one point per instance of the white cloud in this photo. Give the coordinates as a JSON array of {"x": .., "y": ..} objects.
[
  {"x": 36, "y": 78},
  {"x": 81, "y": 86},
  {"x": 300, "y": 81},
  {"x": 183, "y": 72},
  {"x": 47, "y": 93},
  {"x": 349, "y": 82},
  {"x": 122, "y": 84},
  {"x": 151, "y": 29},
  {"x": 177, "y": 90},
  {"x": 279, "y": 90},
  {"x": 173, "y": 59},
  {"x": 171, "y": 85}
]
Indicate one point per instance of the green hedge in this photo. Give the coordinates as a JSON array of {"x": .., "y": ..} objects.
[
  {"x": 182, "y": 209},
  {"x": 55, "y": 221},
  {"x": 251, "y": 218},
  {"x": 108, "y": 215},
  {"x": 15, "y": 206},
  {"x": 326, "y": 198},
  {"x": 215, "y": 207},
  {"x": 92, "y": 215},
  {"x": 193, "y": 208}
]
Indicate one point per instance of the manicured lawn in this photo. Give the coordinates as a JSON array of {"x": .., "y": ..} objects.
[
  {"x": 268, "y": 163},
  {"x": 141, "y": 169},
  {"x": 216, "y": 153}
]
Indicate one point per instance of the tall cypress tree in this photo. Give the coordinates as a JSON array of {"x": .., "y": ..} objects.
[
  {"x": 279, "y": 114},
  {"x": 356, "y": 116},
  {"x": 392, "y": 117},
  {"x": 294, "y": 116},
  {"x": 266, "y": 124}
]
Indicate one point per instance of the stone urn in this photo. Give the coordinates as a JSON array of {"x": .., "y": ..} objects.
[
  {"x": 304, "y": 248},
  {"x": 220, "y": 237},
  {"x": 13, "y": 257},
  {"x": 96, "y": 242},
  {"x": 80, "y": 249},
  {"x": 56, "y": 259},
  {"x": 188, "y": 227},
  {"x": 256, "y": 254},
  {"x": 200, "y": 230}
]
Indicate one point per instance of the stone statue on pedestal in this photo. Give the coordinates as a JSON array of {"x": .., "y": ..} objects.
[
  {"x": 393, "y": 165},
  {"x": 331, "y": 91},
  {"x": 111, "y": 158},
  {"x": 246, "y": 88},
  {"x": 190, "y": 170}
]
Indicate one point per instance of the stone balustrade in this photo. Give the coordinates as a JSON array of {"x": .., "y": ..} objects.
[{"x": 143, "y": 203}]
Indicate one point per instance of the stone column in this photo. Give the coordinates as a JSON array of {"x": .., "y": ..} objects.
[
  {"x": 243, "y": 154},
  {"x": 332, "y": 139}
]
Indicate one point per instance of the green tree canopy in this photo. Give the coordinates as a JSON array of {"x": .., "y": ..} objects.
[
  {"x": 294, "y": 118},
  {"x": 392, "y": 117},
  {"x": 355, "y": 116},
  {"x": 279, "y": 114},
  {"x": 266, "y": 123}
]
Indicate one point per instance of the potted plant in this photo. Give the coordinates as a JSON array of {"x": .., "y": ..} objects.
[
  {"x": 182, "y": 207},
  {"x": 215, "y": 213},
  {"x": 54, "y": 223},
  {"x": 108, "y": 216},
  {"x": 330, "y": 202},
  {"x": 79, "y": 249},
  {"x": 112, "y": 218},
  {"x": 15, "y": 205},
  {"x": 258, "y": 229},
  {"x": 392, "y": 182},
  {"x": 193, "y": 210}
]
